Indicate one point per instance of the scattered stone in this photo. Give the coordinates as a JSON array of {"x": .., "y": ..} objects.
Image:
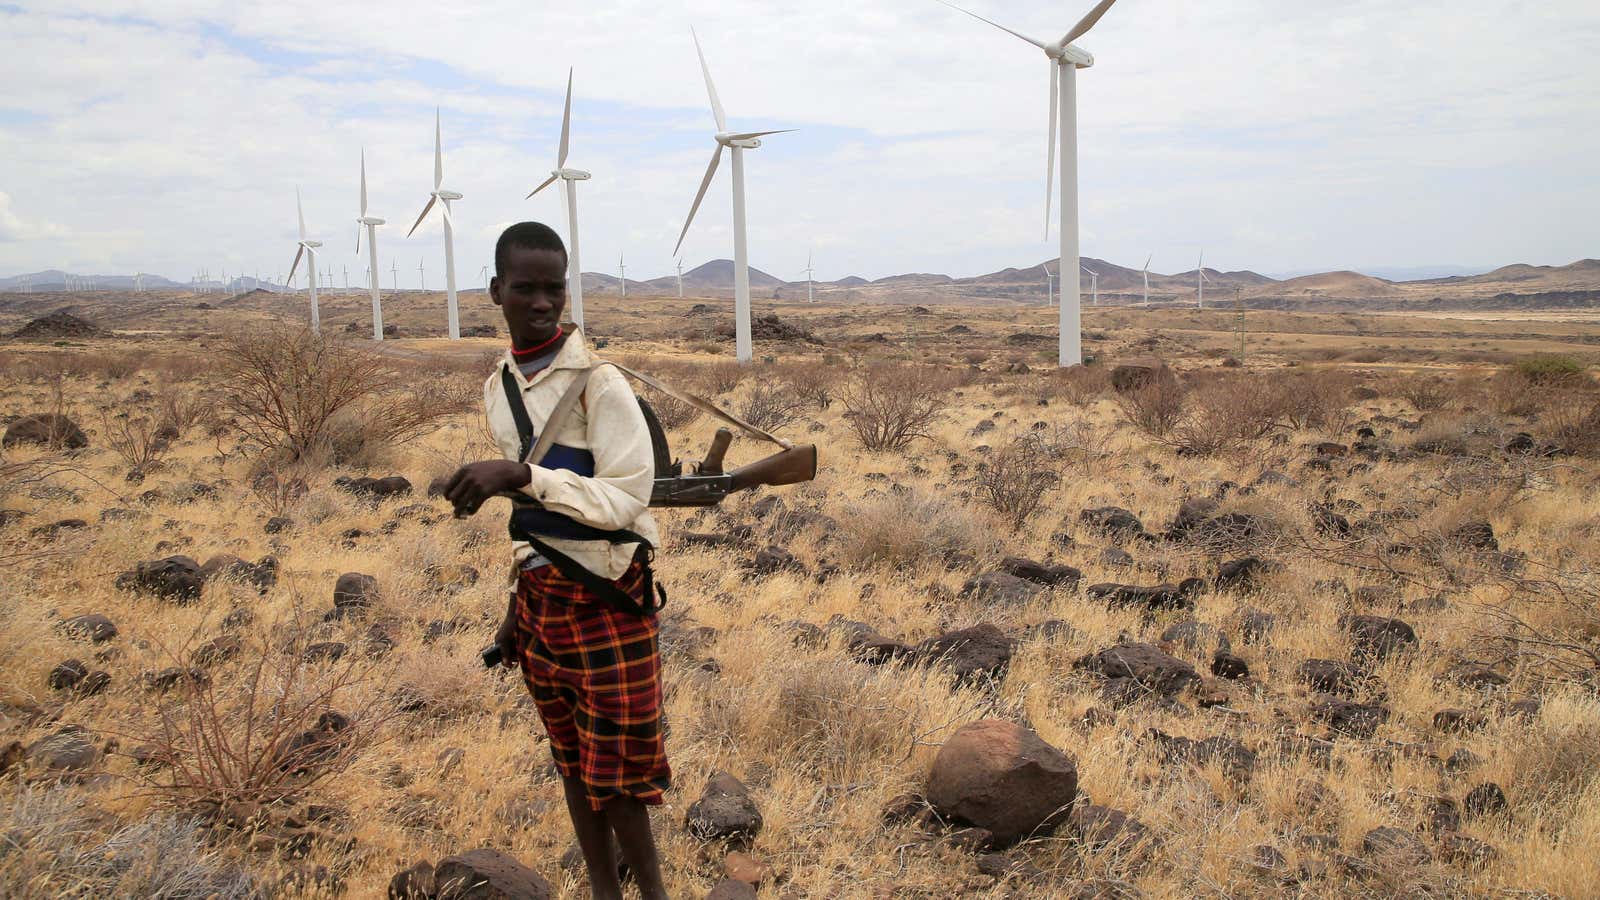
[
  {"x": 1256, "y": 624},
  {"x": 1000, "y": 587},
  {"x": 774, "y": 559},
  {"x": 1136, "y": 374},
  {"x": 1238, "y": 761},
  {"x": 1145, "y": 664},
  {"x": 47, "y": 429},
  {"x": 1113, "y": 520},
  {"x": 325, "y": 651},
  {"x": 1486, "y": 799},
  {"x": 278, "y": 525},
  {"x": 67, "y": 674},
  {"x": 1159, "y": 596},
  {"x": 1116, "y": 558},
  {"x": 1101, "y": 829},
  {"x": 1475, "y": 676},
  {"x": 67, "y": 750},
  {"x": 355, "y": 591},
  {"x": 1475, "y": 535},
  {"x": 1190, "y": 513},
  {"x": 1009, "y": 868},
  {"x": 724, "y": 812},
  {"x": 741, "y": 866},
  {"x": 1395, "y": 847},
  {"x": 175, "y": 578},
  {"x": 415, "y": 882},
  {"x": 93, "y": 627},
  {"x": 1242, "y": 574},
  {"x": 1047, "y": 574},
  {"x": 1441, "y": 816},
  {"x": 1455, "y": 720},
  {"x": 1466, "y": 851},
  {"x": 1348, "y": 717},
  {"x": 1192, "y": 635},
  {"x": 1226, "y": 665},
  {"x": 487, "y": 874},
  {"x": 971, "y": 653},
  {"x": 1330, "y": 676},
  {"x": 1002, "y": 777},
  {"x": 731, "y": 889},
  {"x": 374, "y": 488}
]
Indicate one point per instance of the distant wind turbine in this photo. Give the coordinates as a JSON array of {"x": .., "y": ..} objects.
[
  {"x": 569, "y": 179},
  {"x": 1147, "y": 278},
  {"x": 1200, "y": 281},
  {"x": 622, "y": 272},
  {"x": 309, "y": 250},
  {"x": 1047, "y": 298},
  {"x": 422, "y": 279},
  {"x": 1094, "y": 279},
  {"x": 483, "y": 275},
  {"x": 738, "y": 142},
  {"x": 680, "y": 279},
  {"x": 370, "y": 223},
  {"x": 810, "y": 275},
  {"x": 1065, "y": 61},
  {"x": 394, "y": 275},
  {"x": 443, "y": 198}
]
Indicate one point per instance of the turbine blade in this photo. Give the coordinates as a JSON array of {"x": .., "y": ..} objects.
[
  {"x": 358, "y": 238},
  {"x": 363, "y": 183},
  {"x": 705, "y": 183},
  {"x": 424, "y": 215},
  {"x": 1147, "y": 261},
  {"x": 1040, "y": 44},
  {"x": 299, "y": 252},
  {"x": 711, "y": 89},
  {"x": 300, "y": 211},
  {"x": 752, "y": 135},
  {"x": 566, "y": 126},
  {"x": 1050, "y": 157},
  {"x": 1087, "y": 22},
  {"x": 546, "y": 183},
  {"x": 438, "y": 153}
]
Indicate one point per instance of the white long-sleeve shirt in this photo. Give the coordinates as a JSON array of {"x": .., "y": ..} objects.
[{"x": 610, "y": 426}]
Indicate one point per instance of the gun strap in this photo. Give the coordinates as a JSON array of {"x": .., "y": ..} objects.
[
  {"x": 519, "y": 412},
  {"x": 703, "y": 405}
]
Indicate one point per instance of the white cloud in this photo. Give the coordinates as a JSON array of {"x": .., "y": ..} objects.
[{"x": 169, "y": 137}]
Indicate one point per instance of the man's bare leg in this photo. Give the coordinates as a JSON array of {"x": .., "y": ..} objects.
[
  {"x": 630, "y": 821},
  {"x": 594, "y": 839}
]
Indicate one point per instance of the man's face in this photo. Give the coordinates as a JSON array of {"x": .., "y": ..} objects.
[{"x": 532, "y": 292}]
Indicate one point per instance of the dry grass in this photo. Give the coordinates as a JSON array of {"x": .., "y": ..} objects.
[{"x": 824, "y": 739}]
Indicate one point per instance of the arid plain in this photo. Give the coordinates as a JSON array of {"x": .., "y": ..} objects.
[{"x": 1308, "y": 599}]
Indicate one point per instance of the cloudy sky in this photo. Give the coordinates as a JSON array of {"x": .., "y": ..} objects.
[{"x": 169, "y": 136}]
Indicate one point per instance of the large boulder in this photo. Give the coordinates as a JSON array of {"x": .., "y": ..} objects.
[
  {"x": 1000, "y": 587},
  {"x": 1139, "y": 373},
  {"x": 92, "y": 627},
  {"x": 1049, "y": 574},
  {"x": 175, "y": 578},
  {"x": 1378, "y": 636},
  {"x": 1002, "y": 777},
  {"x": 982, "y": 650},
  {"x": 354, "y": 590},
  {"x": 69, "y": 749},
  {"x": 487, "y": 874},
  {"x": 1113, "y": 520},
  {"x": 50, "y": 429},
  {"x": 1146, "y": 664}
]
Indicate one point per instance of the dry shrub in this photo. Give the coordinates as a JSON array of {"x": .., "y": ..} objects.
[
  {"x": 361, "y": 434},
  {"x": 1078, "y": 385},
  {"x": 671, "y": 412},
  {"x": 912, "y": 528},
  {"x": 181, "y": 410},
  {"x": 771, "y": 406},
  {"x": 262, "y": 732},
  {"x": 888, "y": 405},
  {"x": 135, "y": 439},
  {"x": 1510, "y": 394},
  {"x": 1155, "y": 408},
  {"x": 1315, "y": 400},
  {"x": 279, "y": 490},
  {"x": 1078, "y": 443},
  {"x": 811, "y": 383},
  {"x": 1425, "y": 393},
  {"x": 1223, "y": 413},
  {"x": 1572, "y": 423},
  {"x": 1015, "y": 479},
  {"x": 721, "y": 377}
]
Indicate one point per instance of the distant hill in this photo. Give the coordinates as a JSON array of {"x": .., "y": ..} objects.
[
  {"x": 1343, "y": 285},
  {"x": 718, "y": 275}
]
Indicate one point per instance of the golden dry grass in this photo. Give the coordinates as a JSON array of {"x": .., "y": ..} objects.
[{"x": 824, "y": 740}]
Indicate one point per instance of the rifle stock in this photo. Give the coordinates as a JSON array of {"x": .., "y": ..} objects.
[{"x": 791, "y": 466}]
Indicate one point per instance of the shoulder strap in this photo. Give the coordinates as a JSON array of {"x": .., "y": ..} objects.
[
  {"x": 519, "y": 412},
  {"x": 703, "y": 405}
]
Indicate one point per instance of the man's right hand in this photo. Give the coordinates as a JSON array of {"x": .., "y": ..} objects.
[{"x": 506, "y": 640}]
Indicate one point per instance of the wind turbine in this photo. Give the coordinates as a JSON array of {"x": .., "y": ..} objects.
[
  {"x": 370, "y": 223},
  {"x": 1065, "y": 61},
  {"x": 1094, "y": 279},
  {"x": 483, "y": 273},
  {"x": 680, "y": 279},
  {"x": 1200, "y": 281},
  {"x": 309, "y": 250},
  {"x": 1147, "y": 278},
  {"x": 738, "y": 142},
  {"x": 443, "y": 197},
  {"x": 394, "y": 275},
  {"x": 810, "y": 275},
  {"x": 569, "y": 177},
  {"x": 422, "y": 278},
  {"x": 622, "y": 273},
  {"x": 1047, "y": 299}
]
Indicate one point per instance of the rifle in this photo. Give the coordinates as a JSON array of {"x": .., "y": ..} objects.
[{"x": 708, "y": 485}]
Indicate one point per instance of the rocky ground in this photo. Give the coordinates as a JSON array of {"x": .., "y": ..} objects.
[{"x": 1050, "y": 647}]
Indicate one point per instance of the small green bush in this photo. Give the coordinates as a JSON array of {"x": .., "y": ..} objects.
[{"x": 1549, "y": 368}]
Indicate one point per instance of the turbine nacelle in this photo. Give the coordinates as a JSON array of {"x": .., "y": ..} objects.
[
  {"x": 741, "y": 143},
  {"x": 446, "y": 195},
  {"x": 311, "y": 245},
  {"x": 370, "y": 220},
  {"x": 570, "y": 174},
  {"x": 1078, "y": 57}
]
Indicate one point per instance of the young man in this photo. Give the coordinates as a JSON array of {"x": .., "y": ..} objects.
[{"x": 593, "y": 668}]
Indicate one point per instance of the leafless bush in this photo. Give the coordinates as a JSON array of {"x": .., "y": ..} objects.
[
  {"x": 264, "y": 733},
  {"x": 181, "y": 410},
  {"x": 889, "y": 405},
  {"x": 771, "y": 406},
  {"x": 1225, "y": 412},
  {"x": 278, "y": 491},
  {"x": 284, "y": 388},
  {"x": 811, "y": 383},
  {"x": 361, "y": 433},
  {"x": 1079, "y": 385},
  {"x": 1154, "y": 408},
  {"x": 135, "y": 439},
  {"x": 1078, "y": 443},
  {"x": 1425, "y": 393},
  {"x": 672, "y": 412},
  {"x": 1316, "y": 400},
  {"x": 912, "y": 528},
  {"x": 721, "y": 377},
  {"x": 1015, "y": 479},
  {"x": 1573, "y": 424}
]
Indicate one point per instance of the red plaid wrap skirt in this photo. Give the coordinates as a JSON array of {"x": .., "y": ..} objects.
[{"x": 595, "y": 676}]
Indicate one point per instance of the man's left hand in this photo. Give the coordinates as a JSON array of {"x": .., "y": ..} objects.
[{"x": 474, "y": 483}]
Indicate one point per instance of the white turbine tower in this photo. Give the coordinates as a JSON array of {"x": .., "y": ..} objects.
[
  {"x": 680, "y": 279},
  {"x": 810, "y": 276},
  {"x": 309, "y": 250},
  {"x": 1147, "y": 278},
  {"x": 1200, "y": 281},
  {"x": 1094, "y": 280},
  {"x": 1065, "y": 61},
  {"x": 443, "y": 197},
  {"x": 422, "y": 278},
  {"x": 1047, "y": 297},
  {"x": 569, "y": 177},
  {"x": 370, "y": 223},
  {"x": 738, "y": 142},
  {"x": 622, "y": 273}
]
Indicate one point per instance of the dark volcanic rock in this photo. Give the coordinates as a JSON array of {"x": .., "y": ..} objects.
[
  {"x": 1143, "y": 663},
  {"x": 375, "y": 488},
  {"x": 1048, "y": 574},
  {"x": 1345, "y": 716},
  {"x": 1226, "y": 665},
  {"x": 58, "y": 325},
  {"x": 1486, "y": 799},
  {"x": 1330, "y": 676},
  {"x": 69, "y": 749},
  {"x": 1002, "y": 777},
  {"x": 1001, "y": 587},
  {"x": 175, "y": 578},
  {"x": 1159, "y": 596},
  {"x": 1242, "y": 574},
  {"x": 1377, "y": 635},
  {"x": 46, "y": 429},
  {"x": 354, "y": 590},
  {"x": 1103, "y": 829},
  {"x": 1113, "y": 520},
  {"x": 487, "y": 874},
  {"x": 982, "y": 650},
  {"x": 1395, "y": 846},
  {"x": 92, "y": 627},
  {"x": 724, "y": 812}
]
